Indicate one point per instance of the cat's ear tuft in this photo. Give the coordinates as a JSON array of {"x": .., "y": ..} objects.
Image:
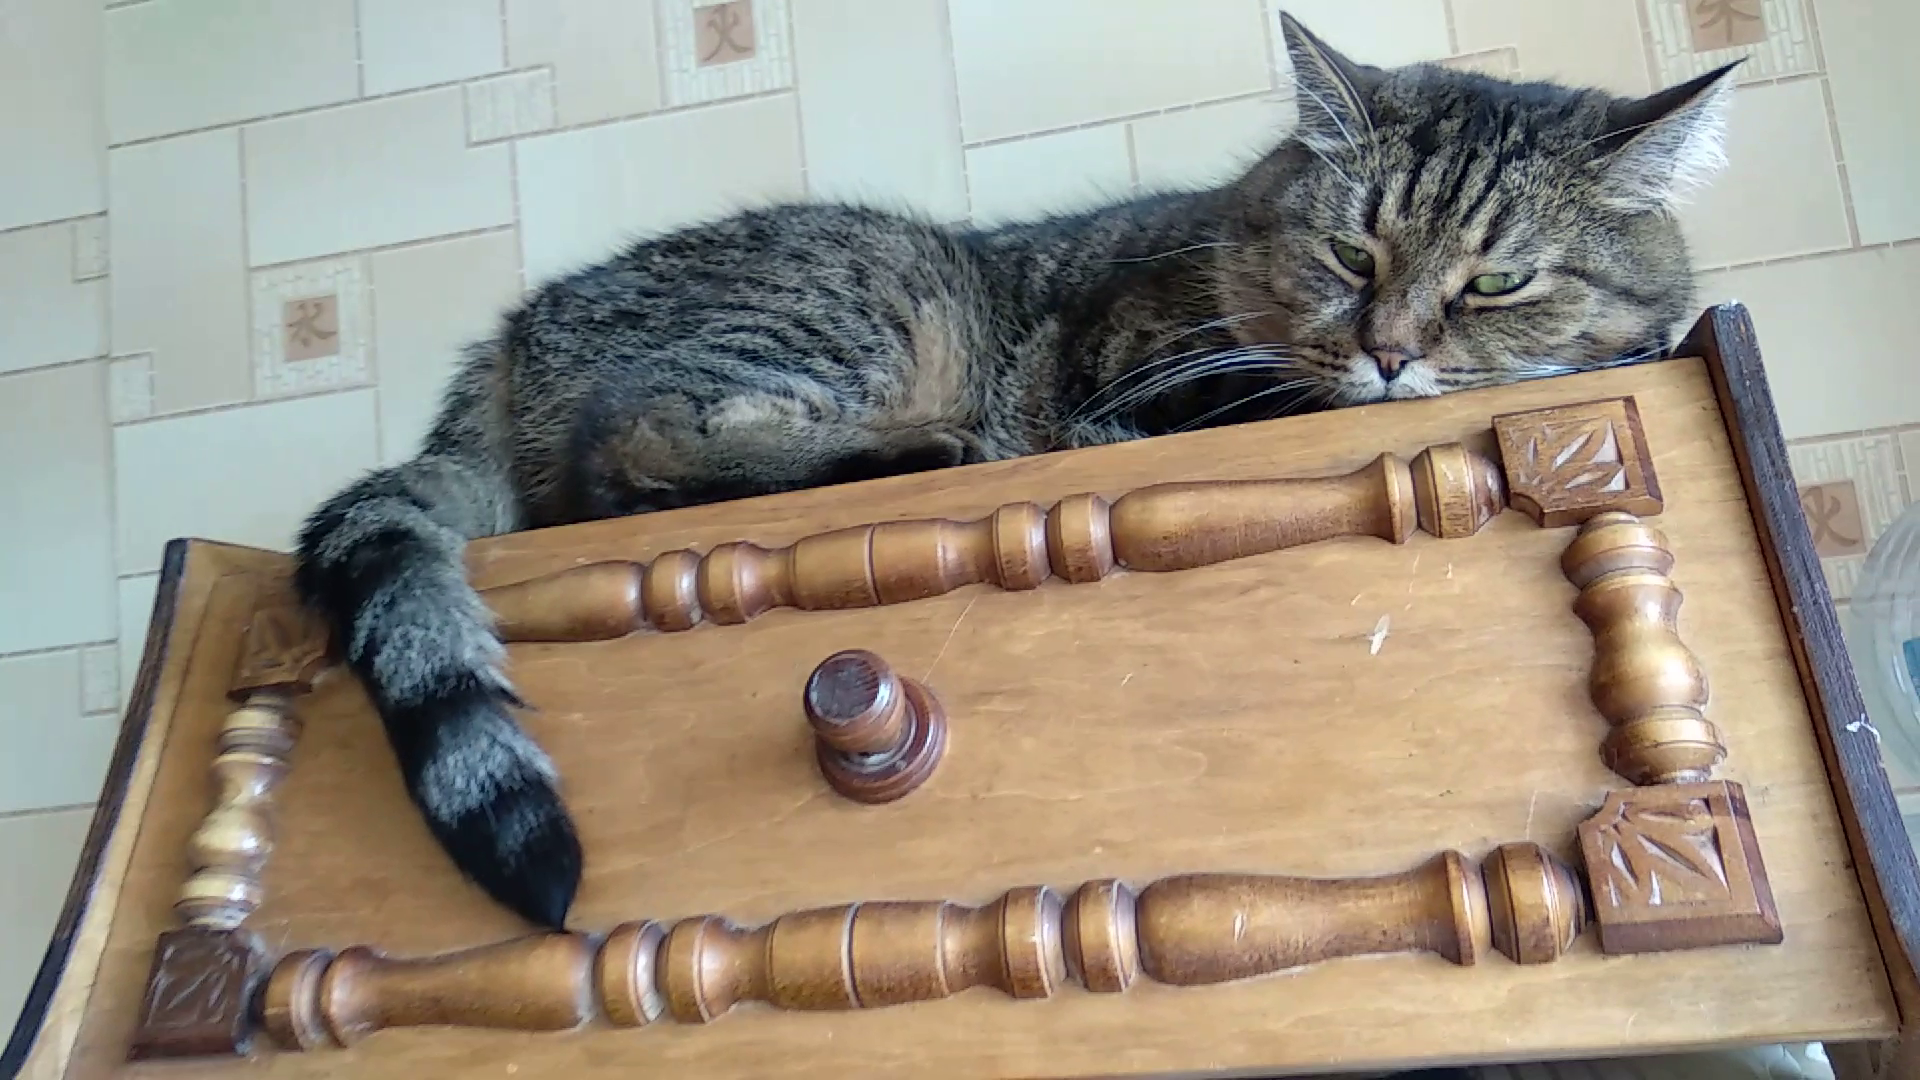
[
  {"x": 1329, "y": 91},
  {"x": 1658, "y": 149}
]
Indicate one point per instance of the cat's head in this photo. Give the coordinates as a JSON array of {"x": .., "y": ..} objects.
[{"x": 1426, "y": 230}]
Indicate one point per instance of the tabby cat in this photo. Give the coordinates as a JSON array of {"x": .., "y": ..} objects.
[{"x": 1421, "y": 230}]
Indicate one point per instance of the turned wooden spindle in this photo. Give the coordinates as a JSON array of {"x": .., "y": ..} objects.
[
  {"x": 878, "y": 735},
  {"x": 1184, "y": 931},
  {"x": 1645, "y": 681},
  {"x": 1673, "y": 863},
  {"x": 203, "y": 974},
  {"x": 230, "y": 848},
  {"x": 1447, "y": 490}
]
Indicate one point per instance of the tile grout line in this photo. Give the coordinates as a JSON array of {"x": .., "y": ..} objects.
[
  {"x": 64, "y": 808},
  {"x": 56, "y": 222},
  {"x": 232, "y": 406},
  {"x": 50, "y": 650},
  {"x": 359, "y": 53},
  {"x": 959, "y": 116},
  {"x": 382, "y": 249},
  {"x": 344, "y": 103},
  {"x": 1127, "y": 118},
  {"x": 1833, "y": 118},
  {"x": 1809, "y": 256},
  {"x": 56, "y": 365}
]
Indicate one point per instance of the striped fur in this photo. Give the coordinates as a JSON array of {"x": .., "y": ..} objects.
[{"x": 816, "y": 344}]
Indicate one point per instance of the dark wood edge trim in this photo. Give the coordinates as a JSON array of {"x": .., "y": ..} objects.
[
  {"x": 1725, "y": 337},
  {"x": 106, "y": 814}
]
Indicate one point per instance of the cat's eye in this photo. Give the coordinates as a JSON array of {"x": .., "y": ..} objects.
[
  {"x": 1357, "y": 260},
  {"x": 1498, "y": 284}
]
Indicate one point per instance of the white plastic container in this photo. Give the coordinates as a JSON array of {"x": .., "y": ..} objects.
[{"x": 1885, "y": 617}]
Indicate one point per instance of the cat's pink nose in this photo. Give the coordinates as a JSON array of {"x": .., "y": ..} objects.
[{"x": 1390, "y": 361}]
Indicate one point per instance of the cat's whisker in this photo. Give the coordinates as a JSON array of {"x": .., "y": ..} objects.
[
  {"x": 1207, "y": 246},
  {"x": 1277, "y": 388},
  {"x": 1203, "y": 358},
  {"x": 1233, "y": 362},
  {"x": 1149, "y": 368}
]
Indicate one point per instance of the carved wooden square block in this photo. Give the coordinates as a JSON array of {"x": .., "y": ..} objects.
[
  {"x": 1676, "y": 866},
  {"x": 1570, "y": 463},
  {"x": 199, "y": 995}
]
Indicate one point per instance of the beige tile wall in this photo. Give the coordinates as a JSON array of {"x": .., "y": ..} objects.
[{"x": 249, "y": 238}]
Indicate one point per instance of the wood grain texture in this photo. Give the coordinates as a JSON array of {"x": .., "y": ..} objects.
[
  {"x": 1876, "y": 835},
  {"x": 1228, "y": 719}
]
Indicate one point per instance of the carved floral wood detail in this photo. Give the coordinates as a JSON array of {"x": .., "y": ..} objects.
[
  {"x": 1569, "y": 463},
  {"x": 1676, "y": 866}
]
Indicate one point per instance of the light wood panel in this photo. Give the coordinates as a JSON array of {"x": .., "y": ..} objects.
[{"x": 1234, "y": 718}]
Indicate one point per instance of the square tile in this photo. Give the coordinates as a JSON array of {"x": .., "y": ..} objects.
[
  {"x": 90, "y": 248},
  {"x": 1782, "y": 171},
  {"x": 604, "y": 54},
  {"x": 713, "y": 51},
  {"x": 508, "y": 106},
  {"x": 1693, "y": 37},
  {"x": 1869, "y": 52},
  {"x": 1026, "y": 66},
  {"x": 723, "y": 33},
  {"x": 1833, "y": 515},
  {"x": 880, "y": 65},
  {"x": 1837, "y": 332},
  {"x": 130, "y": 387},
  {"x": 179, "y": 277},
  {"x": 48, "y": 317},
  {"x": 1725, "y": 24},
  {"x": 1588, "y": 42},
  {"x": 1209, "y": 145},
  {"x": 1049, "y": 174},
  {"x": 177, "y": 477},
  {"x": 52, "y": 753},
  {"x": 41, "y": 851},
  {"x": 585, "y": 193},
  {"x": 1382, "y": 33},
  {"x": 50, "y": 55},
  {"x": 55, "y": 557},
  {"x": 136, "y": 596},
  {"x": 435, "y": 300},
  {"x": 310, "y": 328},
  {"x": 181, "y": 65},
  {"x": 368, "y": 175},
  {"x": 1850, "y": 491},
  {"x": 407, "y": 44}
]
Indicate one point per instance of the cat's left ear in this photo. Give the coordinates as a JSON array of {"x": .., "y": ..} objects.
[
  {"x": 1331, "y": 91},
  {"x": 1658, "y": 148}
]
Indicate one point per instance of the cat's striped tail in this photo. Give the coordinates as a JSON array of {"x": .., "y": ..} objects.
[{"x": 383, "y": 563}]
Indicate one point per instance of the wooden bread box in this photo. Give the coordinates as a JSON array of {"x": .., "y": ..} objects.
[{"x": 1509, "y": 725}]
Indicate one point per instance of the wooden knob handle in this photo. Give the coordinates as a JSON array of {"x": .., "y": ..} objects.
[
  {"x": 1214, "y": 928},
  {"x": 878, "y": 736}
]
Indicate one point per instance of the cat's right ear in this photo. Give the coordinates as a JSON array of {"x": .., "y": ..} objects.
[{"x": 1328, "y": 91}]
